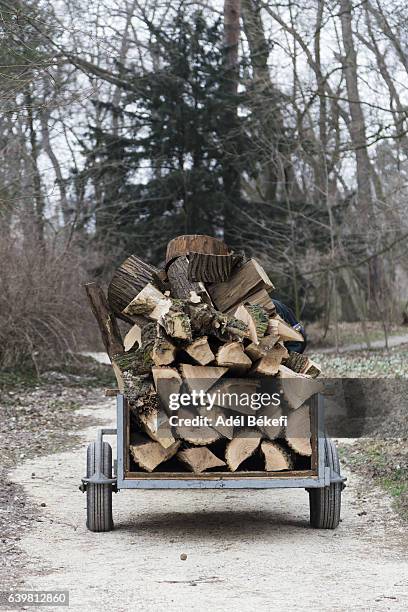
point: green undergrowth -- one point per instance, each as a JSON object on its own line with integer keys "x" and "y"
{"x": 350, "y": 333}
{"x": 378, "y": 363}
{"x": 386, "y": 463}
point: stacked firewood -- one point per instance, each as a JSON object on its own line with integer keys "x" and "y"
{"x": 205, "y": 325}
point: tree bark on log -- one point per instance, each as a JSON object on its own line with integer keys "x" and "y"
{"x": 197, "y": 243}
{"x": 129, "y": 279}
{"x": 106, "y": 320}
{"x": 248, "y": 279}
{"x": 206, "y": 268}
{"x": 140, "y": 360}
{"x": 257, "y": 351}
{"x": 166, "y": 381}
{"x": 164, "y": 351}
{"x": 181, "y": 286}
{"x": 206, "y": 320}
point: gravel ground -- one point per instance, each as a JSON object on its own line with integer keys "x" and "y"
{"x": 37, "y": 418}
{"x": 245, "y": 550}
{"x": 240, "y": 546}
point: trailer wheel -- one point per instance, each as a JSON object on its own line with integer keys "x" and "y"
{"x": 325, "y": 503}
{"x": 99, "y": 496}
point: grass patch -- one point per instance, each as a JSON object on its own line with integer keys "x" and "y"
{"x": 386, "y": 463}
{"x": 378, "y": 363}
{"x": 350, "y": 333}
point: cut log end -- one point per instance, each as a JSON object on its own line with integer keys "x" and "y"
{"x": 241, "y": 448}
{"x": 276, "y": 457}
{"x": 231, "y": 355}
{"x": 200, "y": 351}
{"x": 149, "y": 455}
{"x": 199, "y": 460}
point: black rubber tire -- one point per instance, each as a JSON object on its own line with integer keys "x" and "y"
{"x": 99, "y": 496}
{"x": 325, "y": 503}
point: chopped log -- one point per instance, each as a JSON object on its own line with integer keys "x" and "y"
{"x": 302, "y": 364}
{"x": 200, "y": 351}
{"x": 106, "y": 320}
{"x": 139, "y": 361}
{"x": 260, "y": 318}
{"x": 108, "y": 327}
{"x": 218, "y": 420}
{"x": 181, "y": 287}
{"x": 129, "y": 279}
{"x": 111, "y": 392}
{"x": 201, "y": 378}
{"x": 312, "y": 369}
{"x": 271, "y": 430}
{"x": 232, "y": 356}
{"x": 151, "y": 302}
{"x": 286, "y": 332}
{"x": 295, "y": 361}
{"x": 198, "y": 434}
{"x": 195, "y": 243}
{"x": 199, "y": 459}
{"x": 262, "y": 298}
{"x": 207, "y": 268}
{"x": 245, "y": 281}
{"x": 297, "y": 433}
{"x": 167, "y": 381}
{"x": 269, "y": 365}
{"x": 206, "y": 320}
{"x": 160, "y": 280}
{"x": 176, "y": 323}
{"x": 257, "y": 351}
{"x": 297, "y": 388}
{"x": 276, "y": 457}
{"x": 242, "y": 314}
{"x": 164, "y": 351}
{"x": 156, "y": 424}
{"x": 134, "y": 335}
{"x": 140, "y": 393}
{"x": 148, "y": 454}
{"x": 145, "y": 301}
{"x": 273, "y": 328}
{"x": 232, "y": 394}
{"x": 241, "y": 447}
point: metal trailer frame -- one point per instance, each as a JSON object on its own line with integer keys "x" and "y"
{"x": 319, "y": 476}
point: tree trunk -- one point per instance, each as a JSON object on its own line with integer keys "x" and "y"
{"x": 231, "y": 175}
{"x": 357, "y": 121}
{"x": 36, "y": 176}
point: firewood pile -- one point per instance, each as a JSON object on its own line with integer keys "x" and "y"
{"x": 204, "y": 334}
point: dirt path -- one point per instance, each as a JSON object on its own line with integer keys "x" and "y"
{"x": 375, "y": 344}
{"x": 245, "y": 550}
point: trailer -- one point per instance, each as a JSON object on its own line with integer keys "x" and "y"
{"x": 323, "y": 481}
